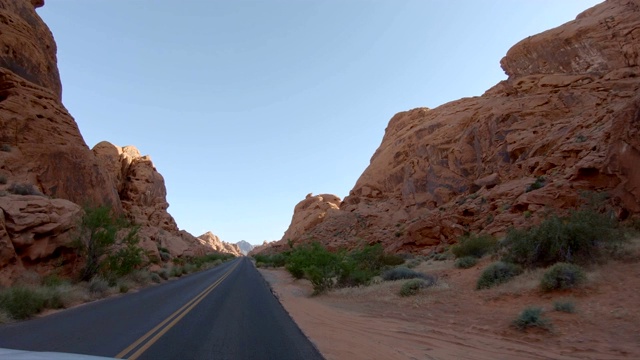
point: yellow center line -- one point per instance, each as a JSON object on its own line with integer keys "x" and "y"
{"x": 176, "y": 316}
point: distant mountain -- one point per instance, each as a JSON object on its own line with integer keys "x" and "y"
{"x": 244, "y": 246}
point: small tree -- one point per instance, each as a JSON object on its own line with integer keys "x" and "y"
{"x": 97, "y": 239}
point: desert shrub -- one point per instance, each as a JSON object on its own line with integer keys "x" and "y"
{"x": 531, "y": 317}
{"x": 565, "y": 306}
{"x": 163, "y": 274}
{"x": 155, "y": 278}
{"x": 466, "y": 262}
{"x": 539, "y": 183}
{"x": 562, "y": 276}
{"x": 176, "y": 271}
{"x": 97, "y": 240}
{"x": 580, "y": 237}
{"x": 274, "y": 260}
{"x": 474, "y": 245}
{"x": 140, "y": 277}
{"x": 413, "y": 286}
{"x": 53, "y": 280}
{"x": 126, "y": 259}
{"x": 413, "y": 263}
{"x": 392, "y": 260}
{"x": 53, "y": 297}
{"x": 21, "y": 302}
{"x": 164, "y": 255}
{"x": 5, "y": 147}
{"x": 3, "y": 179}
{"x": 442, "y": 256}
{"x": 98, "y": 286}
{"x": 188, "y": 268}
{"x": 123, "y": 288}
{"x": 497, "y": 273}
{"x": 23, "y": 189}
{"x": 400, "y": 273}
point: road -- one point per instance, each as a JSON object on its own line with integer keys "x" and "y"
{"x": 227, "y": 312}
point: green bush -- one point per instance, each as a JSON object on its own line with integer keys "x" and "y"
{"x": 579, "y": 238}
{"x": 401, "y": 273}
{"x": 564, "y": 306}
{"x": 496, "y": 274}
{"x": 21, "y": 302}
{"x": 538, "y": 184}
{"x": 474, "y": 245}
{"x": 413, "y": 286}
{"x": 97, "y": 244}
{"x": 562, "y": 276}
{"x": 531, "y": 317}
{"x": 176, "y": 271}
{"x": 466, "y": 262}
{"x": 53, "y": 280}
{"x": 164, "y": 274}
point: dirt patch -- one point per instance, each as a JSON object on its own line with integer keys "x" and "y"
{"x": 453, "y": 321}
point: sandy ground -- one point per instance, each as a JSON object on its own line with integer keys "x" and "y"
{"x": 454, "y": 321}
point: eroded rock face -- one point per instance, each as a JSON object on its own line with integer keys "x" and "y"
{"x": 34, "y": 229}
{"x": 211, "y": 240}
{"x": 566, "y": 120}
{"x": 143, "y": 195}
{"x": 44, "y": 145}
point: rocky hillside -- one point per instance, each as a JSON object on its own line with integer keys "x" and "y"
{"x": 46, "y": 168}
{"x": 566, "y": 120}
{"x": 244, "y": 247}
{"x": 211, "y": 240}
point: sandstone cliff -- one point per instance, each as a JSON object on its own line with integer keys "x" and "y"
{"x": 567, "y": 119}
{"x": 46, "y": 168}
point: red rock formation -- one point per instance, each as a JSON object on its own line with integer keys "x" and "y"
{"x": 567, "y": 117}
{"x": 211, "y": 240}
{"x": 42, "y": 146}
{"x": 46, "y": 148}
{"x": 34, "y": 229}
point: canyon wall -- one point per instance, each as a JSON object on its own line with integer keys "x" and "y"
{"x": 566, "y": 121}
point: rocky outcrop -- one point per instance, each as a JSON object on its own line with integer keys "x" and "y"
{"x": 34, "y": 229}
{"x": 566, "y": 120}
{"x": 211, "y": 240}
{"x": 43, "y": 152}
{"x": 143, "y": 195}
{"x": 41, "y": 142}
{"x": 245, "y": 247}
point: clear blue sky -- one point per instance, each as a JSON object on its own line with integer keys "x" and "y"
{"x": 247, "y": 106}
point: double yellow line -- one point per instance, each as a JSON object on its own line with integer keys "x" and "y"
{"x": 142, "y": 344}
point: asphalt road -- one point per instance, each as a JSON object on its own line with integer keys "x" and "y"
{"x": 227, "y": 312}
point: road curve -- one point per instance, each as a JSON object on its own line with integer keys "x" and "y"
{"x": 227, "y": 312}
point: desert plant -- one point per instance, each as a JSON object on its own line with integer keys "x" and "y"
{"x": 413, "y": 286}
{"x": 96, "y": 242}
{"x": 497, "y": 273}
{"x": 474, "y": 245}
{"x": 98, "y": 286}
{"x": 539, "y": 183}
{"x": 23, "y": 189}
{"x": 176, "y": 271}
{"x": 53, "y": 280}
{"x": 531, "y": 317}
{"x": 413, "y": 263}
{"x": 3, "y": 179}
{"x": 466, "y": 262}
{"x": 164, "y": 274}
{"x": 21, "y": 302}
{"x": 562, "y": 276}
{"x": 155, "y": 277}
{"x": 565, "y": 306}
{"x": 400, "y": 273}
{"x": 579, "y": 238}
{"x": 5, "y": 147}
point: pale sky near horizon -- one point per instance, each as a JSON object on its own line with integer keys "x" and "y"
{"x": 246, "y": 106}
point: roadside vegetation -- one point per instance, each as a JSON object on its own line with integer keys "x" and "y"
{"x": 112, "y": 263}
{"x": 327, "y": 270}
